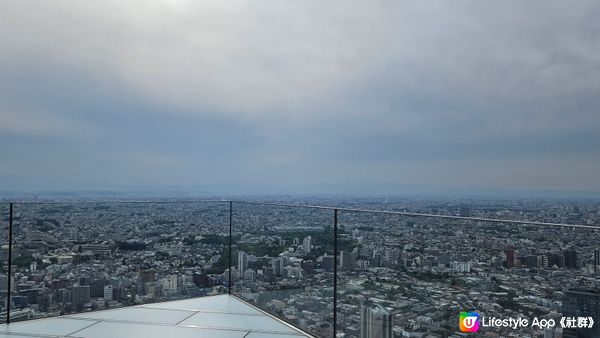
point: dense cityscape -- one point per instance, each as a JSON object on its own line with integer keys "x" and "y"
{"x": 398, "y": 276}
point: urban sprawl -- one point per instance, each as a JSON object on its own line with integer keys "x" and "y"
{"x": 398, "y": 276}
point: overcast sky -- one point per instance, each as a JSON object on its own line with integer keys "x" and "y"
{"x": 175, "y": 93}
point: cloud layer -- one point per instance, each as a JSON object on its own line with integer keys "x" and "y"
{"x": 115, "y": 94}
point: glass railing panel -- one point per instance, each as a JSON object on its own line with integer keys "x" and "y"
{"x": 363, "y": 241}
{"x": 71, "y": 258}
{"x": 283, "y": 263}
{"x": 416, "y": 275}
{"x": 4, "y": 275}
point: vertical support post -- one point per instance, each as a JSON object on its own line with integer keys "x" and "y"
{"x": 335, "y": 269}
{"x": 230, "y": 261}
{"x": 9, "y": 275}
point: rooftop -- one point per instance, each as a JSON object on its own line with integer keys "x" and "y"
{"x": 221, "y": 316}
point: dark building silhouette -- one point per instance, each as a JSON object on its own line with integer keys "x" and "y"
{"x": 80, "y": 295}
{"x": 97, "y": 288}
{"x": 556, "y": 259}
{"x": 201, "y": 280}
{"x": 147, "y": 276}
{"x": 510, "y": 257}
{"x": 347, "y": 260}
{"x": 570, "y": 258}
{"x": 308, "y": 266}
{"x": 31, "y": 294}
{"x": 582, "y": 303}
{"x": 465, "y": 211}
{"x": 328, "y": 262}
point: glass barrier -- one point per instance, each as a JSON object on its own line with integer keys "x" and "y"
{"x": 397, "y": 275}
{"x": 283, "y": 263}
{"x": 4, "y": 275}
{"x": 70, "y": 258}
{"x": 406, "y": 276}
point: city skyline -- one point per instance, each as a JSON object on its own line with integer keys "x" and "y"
{"x": 395, "y": 275}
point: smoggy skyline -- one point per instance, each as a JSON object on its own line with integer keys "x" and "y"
{"x": 279, "y": 96}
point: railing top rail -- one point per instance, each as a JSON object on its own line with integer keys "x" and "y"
{"x": 114, "y": 202}
{"x": 320, "y": 207}
{"x": 413, "y": 214}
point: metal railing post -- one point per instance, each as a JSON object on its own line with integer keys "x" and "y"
{"x": 230, "y": 245}
{"x": 335, "y": 269}
{"x": 9, "y": 275}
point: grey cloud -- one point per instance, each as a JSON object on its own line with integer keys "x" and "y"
{"x": 297, "y": 93}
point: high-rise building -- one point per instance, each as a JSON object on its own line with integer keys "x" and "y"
{"x": 465, "y": 211}
{"x": 375, "y": 321}
{"x": 307, "y": 244}
{"x": 328, "y": 263}
{"x": 147, "y": 275}
{"x": 530, "y": 261}
{"x": 200, "y": 279}
{"x": 570, "y": 258}
{"x": 31, "y": 294}
{"x": 242, "y": 263}
{"x": 80, "y": 295}
{"x": 542, "y": 261}
{"x": 510, "y": 257}
{"x": 170, "y": 283}
{"x": 308, "y": 266}
{"x": 582, "y": 303}
{"x": 64, "y": 296}
{"x": 4, "y": 283}
{"x": 150, "y": 289}
{"x": 556, "y": 259}
{"x": 377, "y": 260}
{"x": 347, "y": 260}
{"x": 44, "y": 301}
{"x": 277, "y": 264}
{"x": 108, "y": 293}
{"x": 269, "y": 275}
{"x": 97, "y": 288}
{"x": 391, "y": 257}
